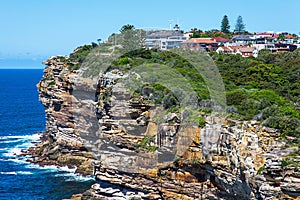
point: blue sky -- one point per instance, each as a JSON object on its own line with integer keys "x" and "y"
{"x": 37, "y": 29}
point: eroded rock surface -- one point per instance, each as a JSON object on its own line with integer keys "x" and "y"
{"x": 223, "y": 160}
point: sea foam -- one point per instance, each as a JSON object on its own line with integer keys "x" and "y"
{"x": 16, "y": 173}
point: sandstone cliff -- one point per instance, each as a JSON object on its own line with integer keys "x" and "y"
{"x": 99, "y": 125}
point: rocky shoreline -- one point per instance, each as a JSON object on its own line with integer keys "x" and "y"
{"x": 225, "y": 160}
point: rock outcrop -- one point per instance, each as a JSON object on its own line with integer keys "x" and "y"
{"x": 62, "y": 143}
{"x": 102, "y": 129}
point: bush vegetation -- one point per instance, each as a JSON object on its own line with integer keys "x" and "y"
{"x": 266, "y": 88}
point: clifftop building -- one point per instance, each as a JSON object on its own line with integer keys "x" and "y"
{"x": 165, "y": 39}
{"x": 204, "y": 44}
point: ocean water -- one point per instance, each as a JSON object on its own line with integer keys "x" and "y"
{"x": 21, "y": 116}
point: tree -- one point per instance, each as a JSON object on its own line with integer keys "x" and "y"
{"x": 196, "y": 34}
{"x": 131, "y": 38}
{"x": 94, "y": 44}
{"x": 280, "y": 37}
{"x": 127, "y": 27}
{"x": 225, "y": 24}
{"x": 240, "y": 26}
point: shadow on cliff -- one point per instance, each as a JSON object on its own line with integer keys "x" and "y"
{"x": 227, "y": 187}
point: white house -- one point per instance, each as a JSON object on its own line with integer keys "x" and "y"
{"x": 244, "y": 51}
{"x": 164, "y": 39}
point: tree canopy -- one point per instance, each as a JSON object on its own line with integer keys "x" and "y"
{"x": 225, "y": 24}
{"x": 127, "y": 27}
{"x": 240, "y": 27}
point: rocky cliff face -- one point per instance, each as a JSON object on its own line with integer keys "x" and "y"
{"x": 100, "y": 127}
{"x": 63, "y": 144}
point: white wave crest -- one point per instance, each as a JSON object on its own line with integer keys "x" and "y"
{"x": 75, "y": 177}
{"x": 28, "y": 137}
{"x": 13, "y": 152}
{"x": 9, "y": 173}
{"x": 58, "y": 169}
{"x": 16, "y": 150}
{"x": 16, "y": 173}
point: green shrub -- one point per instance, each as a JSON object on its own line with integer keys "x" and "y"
{"x": 285, "y": 163}
{"x": 123, "y": 61}
{"x": 169, "y": 100}
{"x": 172, "y": 109}
{"x": 51, "y": 83}
{"x": 261, "y": 169}
{"x": 151, "y": 148}
{"x": 201, "y": 122}
{"x": 268, "y": 98}
{"x": 145, "y": 144}
{"x": 80, "y": 53}
{"x": 73, "y": 67}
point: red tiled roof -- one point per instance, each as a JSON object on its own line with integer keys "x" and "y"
{"x": 265, "y": 33}
{"x": 201, "y": 40}
{"x": 220, "y": 39}
{"x": 247, "y": 50}
{"x": 289, "y": 37}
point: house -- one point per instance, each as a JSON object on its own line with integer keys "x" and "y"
{"x": 285, "y": 47}
{"x": 290, "y": 39}
{"x": 264, "y": 38}
{"x": 164, "y": 39}
{"x": 247, "y": 51}
{"x": 225, "y": 50}
{"x": 189, "y": 34}
{"x": 269, "y": 46}
{"x": 244, "y": 51}
{"x": 242, "y": 39}
{"x": 205, "y": 44}
{"x": 222, "y": 41}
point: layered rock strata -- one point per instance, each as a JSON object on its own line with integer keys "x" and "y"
{"x": 99, "y": 127}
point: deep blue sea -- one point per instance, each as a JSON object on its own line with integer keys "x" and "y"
{"x": 21, "y": 116}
